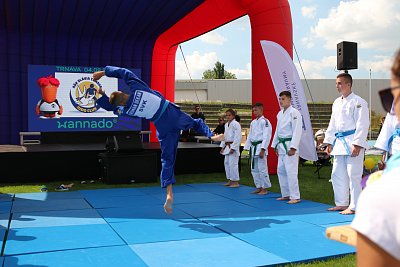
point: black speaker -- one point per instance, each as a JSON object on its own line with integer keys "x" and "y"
{"x": 124, "y": 143}
{"x": 347, "y": 56}
{"x": 125, "y": 168}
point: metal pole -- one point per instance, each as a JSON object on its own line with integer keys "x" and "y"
{"x": 370, "y": 106}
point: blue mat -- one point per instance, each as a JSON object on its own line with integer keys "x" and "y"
{"x": 161, "y": 230}
{"x": 113, "y": 215}
{"x": 193, "y": 197}
{"x": 29, "y": 205}
{"x": 275, "y": 205}
{"x": 100, "y": 257}
{"x": 2, "y": 234}
{"x": 4, "y": 218}
{"x": 215, "y": 208}
{"x": 159, "y": 190}
{"x": 5, "y": 207}
{"x": 296, "y": 243}
{"x": 220, "y": 251}
{"x": 114, "y": 192}
{"x": 6, "y": 197}
{"x": 49, "y": 195}
{"x": 45, "y": 239}
{"x": 128, "y": 227}
{"x": 56, "y": 218}
{"x": 124, "y": 201}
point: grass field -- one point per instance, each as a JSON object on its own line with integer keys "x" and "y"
{"x": 311, "y": 188}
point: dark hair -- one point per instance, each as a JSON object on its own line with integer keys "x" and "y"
{"x": 258, "y": 104}
{"x": 237, "y": 118}
{"x": 197, "y": 106}
{"x": 396, "y": 65}
{"x": 286, "y": 93}
{"x": 347, "y": 77}
{"x": 231, "y": 111}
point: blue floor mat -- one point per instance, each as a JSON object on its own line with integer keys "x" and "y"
{"x": 219, "y": 251}
{"x": 45, "y": 239}
{"x": 5, "y": 207}
{"x": 124, "y": 201}
{"x": 29, "y": 205}
{"x": 6, "y": 197}
{"x": 215, "y": 208}
{"x": 161, "y": 230}
{"x": 114, "y": 192}
{"x": 100, "y": 257}
{"x": 56, "y": 218}
{"x": 296, "y": 243}
{"x": 159, "y": 190}
{"x": 49, "y": 195}
{"x": 113, "y": 215}
{"x": 193, "y": 197}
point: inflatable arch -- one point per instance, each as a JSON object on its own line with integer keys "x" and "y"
{"x": 270, "y": 20}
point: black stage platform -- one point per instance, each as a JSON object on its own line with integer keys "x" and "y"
{"x": 60, "y": 162}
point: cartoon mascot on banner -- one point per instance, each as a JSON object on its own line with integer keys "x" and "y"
{"x": 48, "y": 107}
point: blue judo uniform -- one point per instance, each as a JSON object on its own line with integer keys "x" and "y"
{"x": 167, "y": 117}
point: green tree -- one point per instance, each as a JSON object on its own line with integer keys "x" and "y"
{"x": 218, "y": 72}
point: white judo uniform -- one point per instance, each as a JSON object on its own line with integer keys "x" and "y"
{"x": 348, "y": 126}
{"x": 389, "y": 138}
{"x": 233, "y": 138}
{"x": 287, "y": 135}
{"x": 259, "y": 138}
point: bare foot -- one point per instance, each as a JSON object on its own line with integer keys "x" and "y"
{"x": 337, "y": 208}
{"x": 348, "y": 211}
{"x": 168, "y": 204}
{"x": 293, "y": 201}
{"x": 283, "y": 198}
{"x": 263, "y": 192}
{"x": 228, "y": 183}
{"x": 234, "y": 184}
{"x": 258, "y": 190}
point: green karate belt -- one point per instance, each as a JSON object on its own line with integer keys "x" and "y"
{"x": 253, "y": 152}
{"x": 283, "y": 142}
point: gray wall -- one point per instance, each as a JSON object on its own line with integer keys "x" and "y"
{"x": 321, "y": 90}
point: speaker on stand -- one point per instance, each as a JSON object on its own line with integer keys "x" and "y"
{"x": 347, "y": 56}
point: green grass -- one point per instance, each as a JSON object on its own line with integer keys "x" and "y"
{"x": 311, "y": 188}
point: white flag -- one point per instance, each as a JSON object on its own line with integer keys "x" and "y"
{"x": 285, "y": 78}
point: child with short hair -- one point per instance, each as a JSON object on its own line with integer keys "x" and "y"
{"x": 257, "y": 144}
{"x": 286, "y": 144}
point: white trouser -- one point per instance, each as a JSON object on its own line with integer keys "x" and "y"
{"x": 346, "y": 176}
{"x": 260, "y": 172}
{"x": 232, "y": 167}
{"x": 288, "y": 168}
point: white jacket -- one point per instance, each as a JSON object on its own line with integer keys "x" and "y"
{"x": 349, "y": 113}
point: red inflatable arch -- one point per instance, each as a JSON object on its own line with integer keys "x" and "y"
{"x": 269, "y": 19}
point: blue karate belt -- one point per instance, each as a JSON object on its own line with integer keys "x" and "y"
{"x": 389, "y": 143}
{"x": 253, "y": 152}
{"x": 340, "y": 136}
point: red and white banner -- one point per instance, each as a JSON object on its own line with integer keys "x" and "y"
{"x": 286, "y": 78}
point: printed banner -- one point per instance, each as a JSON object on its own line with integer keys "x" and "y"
{"x": 285, "y": 78}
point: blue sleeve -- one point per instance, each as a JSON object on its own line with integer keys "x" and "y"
{"x": 104, "y": 103}
{"x": 128, "y": 76}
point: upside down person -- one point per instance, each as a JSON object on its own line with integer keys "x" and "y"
{"x": 169, "y": 120}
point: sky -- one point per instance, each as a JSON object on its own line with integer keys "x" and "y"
{"x": 318, "y": 26}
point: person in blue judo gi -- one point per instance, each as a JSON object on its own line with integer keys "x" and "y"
{"x": 168, "y": 118}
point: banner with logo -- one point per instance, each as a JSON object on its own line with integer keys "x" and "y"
{"x": 286, "y": 78}
{"x": 64, "y": 98}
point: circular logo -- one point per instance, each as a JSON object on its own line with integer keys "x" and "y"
{"x": 83, "y": 95}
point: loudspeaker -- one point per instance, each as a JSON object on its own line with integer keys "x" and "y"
{"x": 125, "y": 168}
{"x": 347, "y": 56}
{"x": 124, "y": 143}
